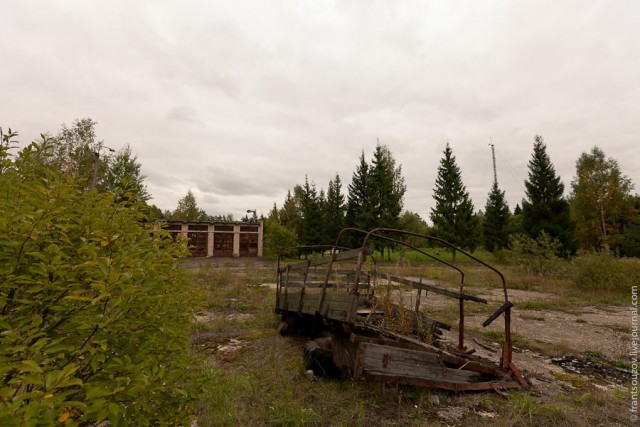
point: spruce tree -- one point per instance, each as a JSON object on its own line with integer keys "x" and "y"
{"x": 387, "y": 190}
{"x": 310, "y": 229}
{"x": 359, "y": 207}
{"x": 496, "y": 219}
{"x": 453, "y": 218}
{"x": 335, "y": 209}
{"x": 188, "y": 209}
{"x": 289, "y": 215}
{"x": 545, "y": 208}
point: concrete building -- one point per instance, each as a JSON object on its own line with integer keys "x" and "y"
{"x": 220, "y": 239}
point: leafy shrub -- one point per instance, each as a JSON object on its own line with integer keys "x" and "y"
{"x": 94, "y": 310}
{"x": 536, "y": 256}
{"x": 279, "y": 240}
{"x": 601, "y": 271}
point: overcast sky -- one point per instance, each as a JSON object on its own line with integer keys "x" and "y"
{"x": 239, "y": 100}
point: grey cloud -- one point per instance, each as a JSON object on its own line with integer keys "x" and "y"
{"x": 239, "y": 101}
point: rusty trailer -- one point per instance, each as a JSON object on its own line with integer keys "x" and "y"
{"x": 372, "y": 333}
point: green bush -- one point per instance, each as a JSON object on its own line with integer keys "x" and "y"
{"x": 94, "y": 309}
{"x": 278, "y": 240}
{"x": 601, "y": 271}
{"x": 536, "y": 256}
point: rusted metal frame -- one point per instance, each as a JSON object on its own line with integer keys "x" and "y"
{"x": 518, "y": 375}
{"x": 286, "y": 288}
{"x": 326, "y": 279}
{"x": 362, "y": 249}
{"x": 461, "y": 325}
{"x": 418, "y": 296}
{"x": 461, "y": 302}
{"x": 507, "y": 346}
{"x": 444, "y": 242}
{"x": 508, "y": 342}
{"x": 361, "y": 256}
{"x": 278, "y": 284}
{"x": 335, "y": 256}
{"x": 445, "y": 385}
{"x": 434, "y": 289}
{"x": 351, "y": 316}
{"x": 304, "y": 283}
{"x": 409, "y": 245}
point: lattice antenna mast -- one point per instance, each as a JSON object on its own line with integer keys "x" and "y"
{"x": 493, "y": 157}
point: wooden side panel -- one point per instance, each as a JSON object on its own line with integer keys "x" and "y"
{"x": 337, "y": 305}
{"x": 390, "y": 361}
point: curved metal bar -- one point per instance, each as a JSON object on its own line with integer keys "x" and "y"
{"x": 347, "y": 229}
{"x": 415, "y": 248}
{"x": 445, "y": 243}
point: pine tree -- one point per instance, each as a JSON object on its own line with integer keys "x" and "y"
{"x": 290, "y": 216}
{"x": 359, "y": 207}
{"x": 545, "y": 209}
{"x": 335, "y": 209}
{"x": 310, "y": 227}
{"x": 386, "y": 190}
{"x": 188, "y": 210}
{"x": 453, "y": 218}
{"x": 496, "y": 219}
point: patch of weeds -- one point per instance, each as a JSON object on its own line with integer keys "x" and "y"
{"x": 526, "y": 316}
{"x": 285, "y": 413}
{"x": 595, "y": 354}
{"x": 621, "y": 365}
{"x": 523, "y": 406}
{"x": 551, "y": 349}
{"x": 574, "y": 380}
{"x": 498, "y": 336}
{"x": 536, "y": 305}
{"x": 530, "y": 412}
{"x": 582, "y": 399}
{"x": 625, "y": 329}
{"x": 552, "y": 415}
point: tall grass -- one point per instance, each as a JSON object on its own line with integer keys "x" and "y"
{"x": 602, "y": 272}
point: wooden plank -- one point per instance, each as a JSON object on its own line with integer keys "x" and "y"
{"x": 301, "y": 266}
{"x": 398, "y": 362}
{"x": 506, "y": 306}
{"x": 435, "y": 289}
{"x": 350, "y": 254}
{"x": 319, "y": 261}
{"x": 337, "y": 296}
{"x": 444, "y": 385}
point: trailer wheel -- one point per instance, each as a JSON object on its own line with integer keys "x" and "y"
{"x": 320, "y": 360}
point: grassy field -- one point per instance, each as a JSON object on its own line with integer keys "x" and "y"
{"x": 253, "y": 377}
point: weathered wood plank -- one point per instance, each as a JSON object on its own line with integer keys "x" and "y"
{"x": 388, "y": 360}
{"x": 444, "y": 385}
{"x": 350, "y": 254}
{"x": 300, "y": 266}
{"x": 434, "y": 289}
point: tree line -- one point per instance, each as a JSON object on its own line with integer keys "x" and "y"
{"x": 599, "y": 213}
